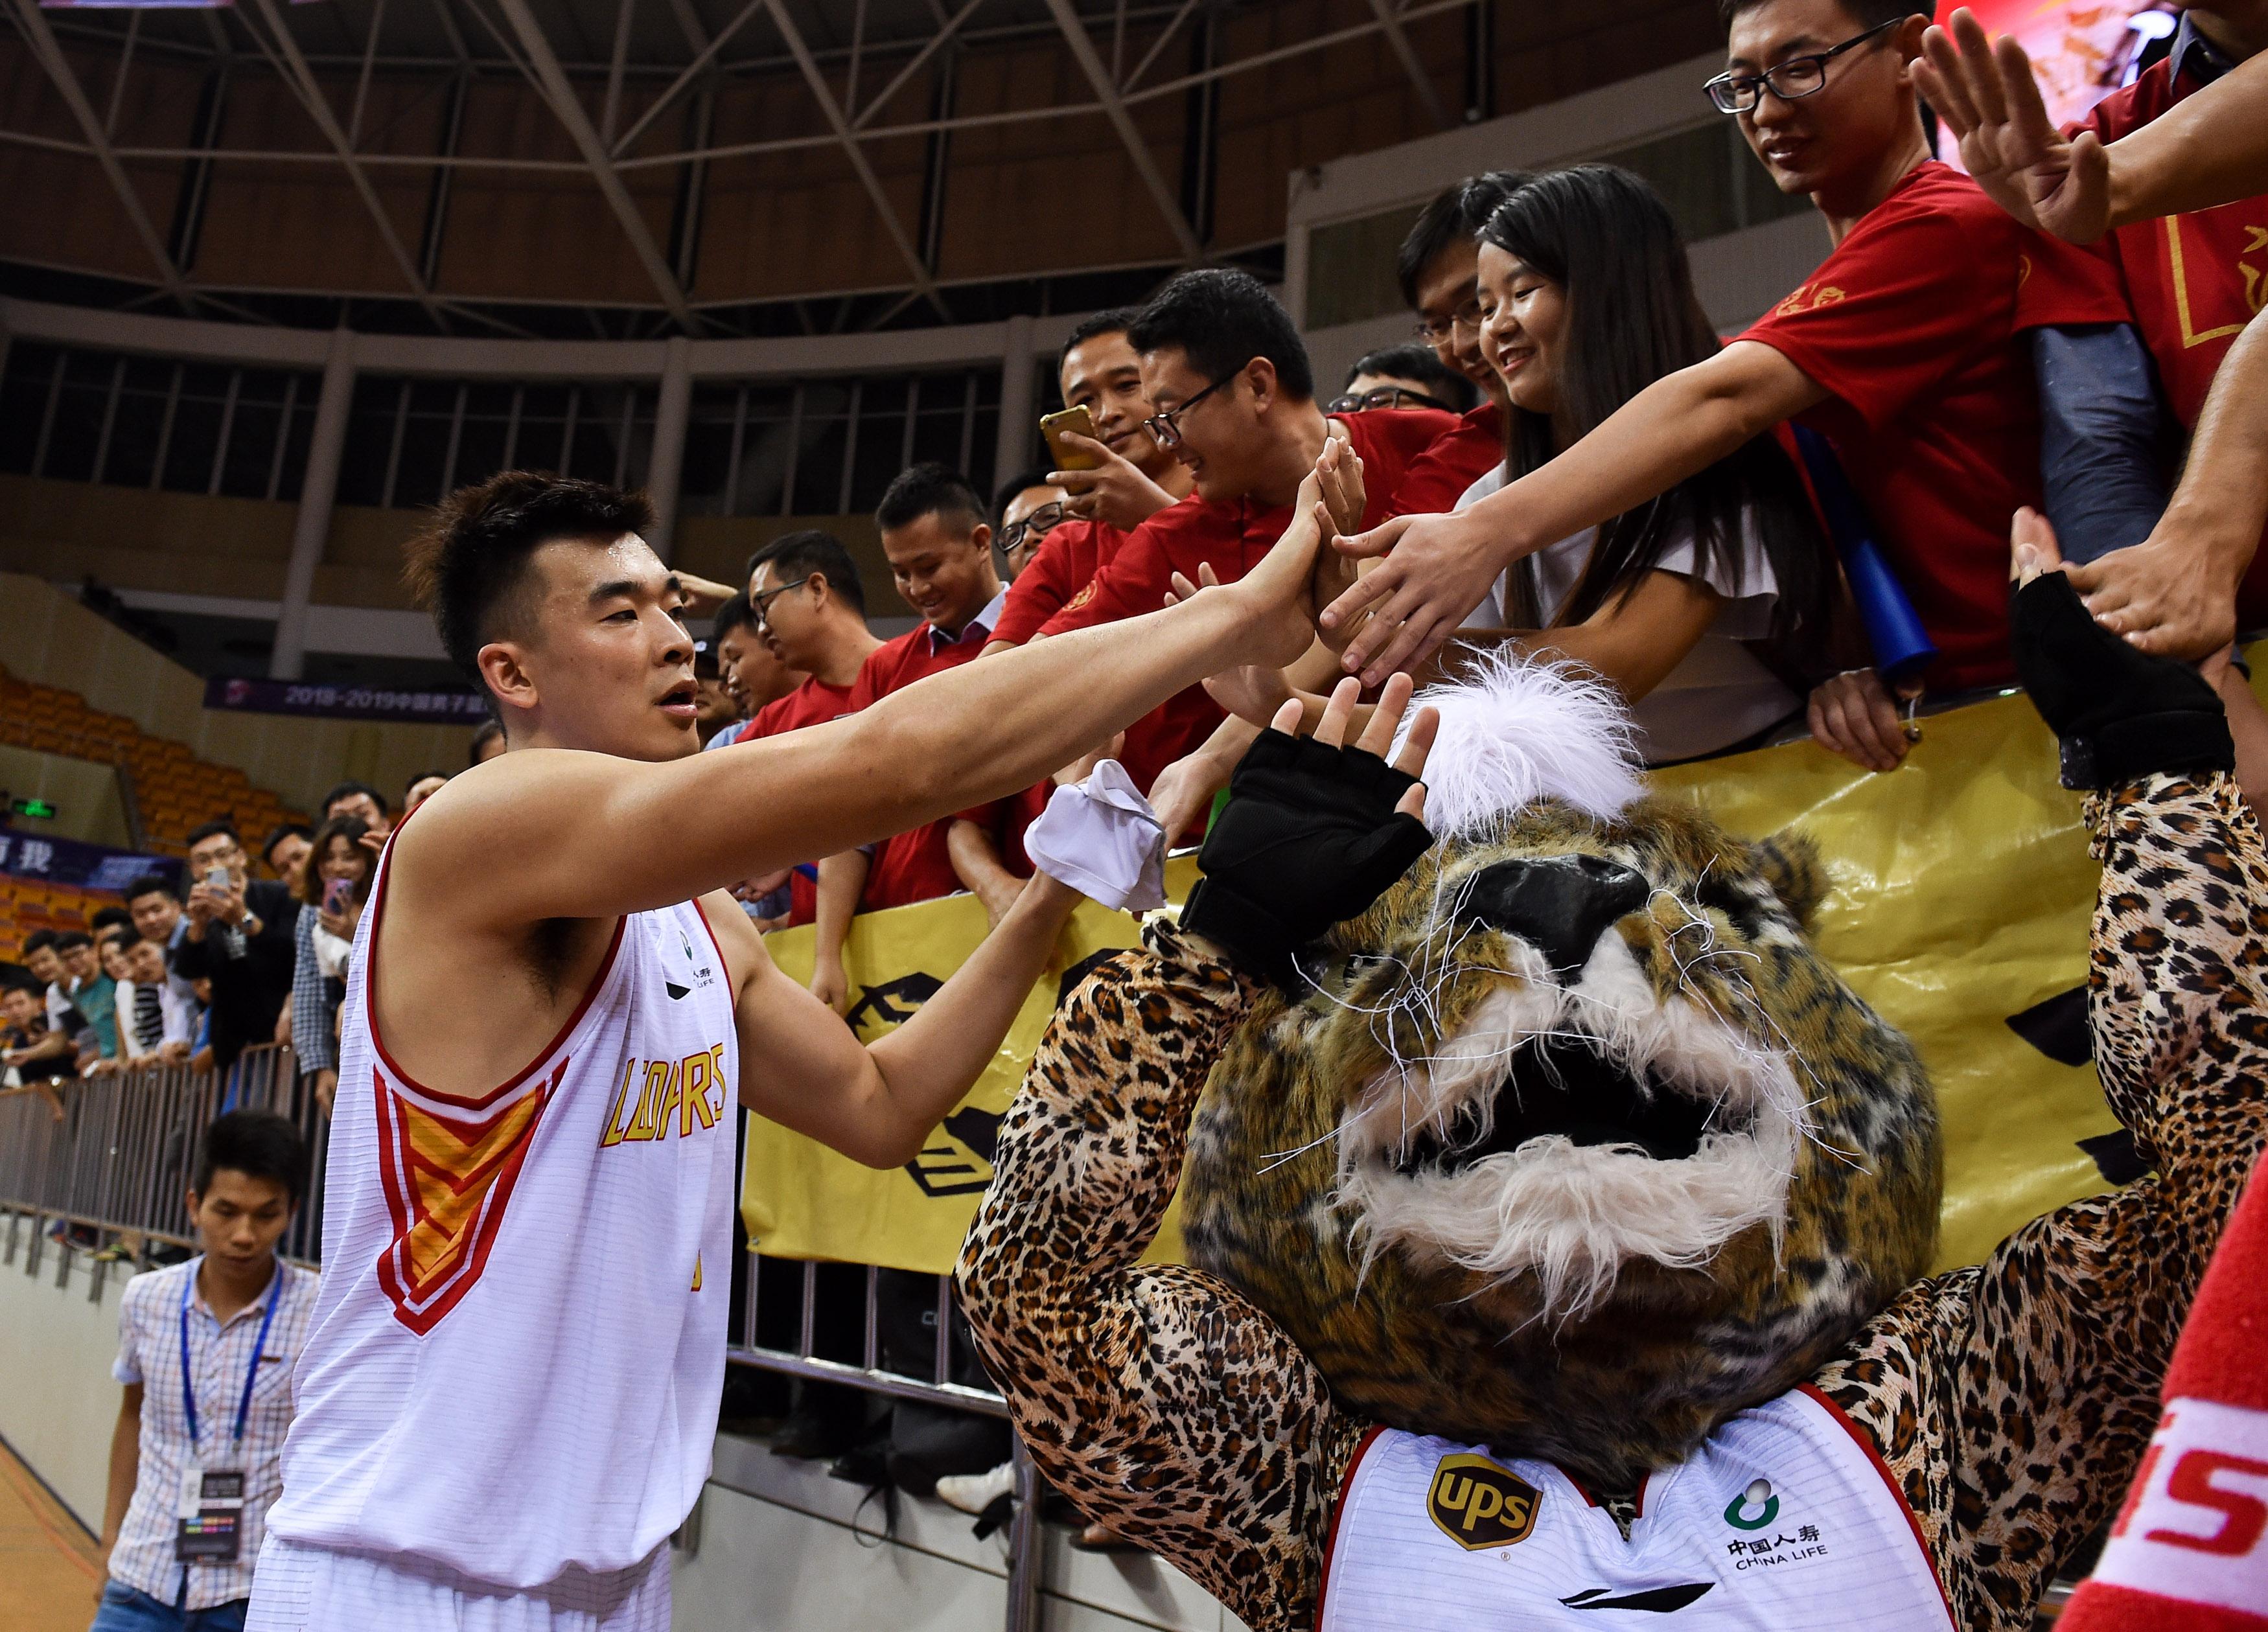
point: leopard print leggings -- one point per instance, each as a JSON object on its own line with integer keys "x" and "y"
{"x": 2011, "y": 1399}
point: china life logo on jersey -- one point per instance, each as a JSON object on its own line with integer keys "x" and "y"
{"x": 699, "y": 976}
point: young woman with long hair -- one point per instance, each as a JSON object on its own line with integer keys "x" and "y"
{"x": 1699, "y": 607}
{"x": 1708, "y": 609}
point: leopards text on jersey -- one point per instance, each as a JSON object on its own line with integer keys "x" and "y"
{"x": 1783, "y": 1518}
{"x": 515, "y": 1361}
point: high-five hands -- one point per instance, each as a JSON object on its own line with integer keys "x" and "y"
{"x": 1400, "y": 611}
{"x": 1985, "y": 94}
{"x": 1314, "y": 831}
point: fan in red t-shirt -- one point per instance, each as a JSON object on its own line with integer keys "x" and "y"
{"x": 2174, "y": 167}
{"x": 1229, "y": 374}
{"x": 2189, "y": 269}
{"x": 809, "y": 608}
{"x": 1904, "y": 348}
{"x": 940, "y": 547}
{"x": 1132, "y": 479}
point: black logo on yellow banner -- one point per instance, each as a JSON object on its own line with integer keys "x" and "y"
{"x": 893, "y": 1003}
{"x": 956, "y": 1159}
{"x": 1478, "y": 1504}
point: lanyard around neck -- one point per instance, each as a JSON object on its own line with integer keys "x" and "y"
{"x": 251, "y": 1372}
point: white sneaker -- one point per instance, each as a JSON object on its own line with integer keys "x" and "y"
{"x": 973, "y": 1493}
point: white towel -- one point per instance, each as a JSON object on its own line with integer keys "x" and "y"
{"x": 1101, "y": 838}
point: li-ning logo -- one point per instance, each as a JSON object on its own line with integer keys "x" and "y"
{"x": 1478, "y": 1504}
{"x": 1754, "y": 1508}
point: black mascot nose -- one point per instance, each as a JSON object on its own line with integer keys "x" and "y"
{"x": 1558, "y": 904}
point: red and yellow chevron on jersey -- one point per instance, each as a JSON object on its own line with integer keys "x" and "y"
{"x": 447, "y": 1182}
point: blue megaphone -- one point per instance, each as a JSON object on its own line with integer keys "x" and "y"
{"x": 1903, "y": 649}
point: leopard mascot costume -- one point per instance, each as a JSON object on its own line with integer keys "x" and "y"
{"x": 1557, "y": 1214}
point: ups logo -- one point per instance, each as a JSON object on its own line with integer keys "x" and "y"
{"x": 1480, "y": 1505}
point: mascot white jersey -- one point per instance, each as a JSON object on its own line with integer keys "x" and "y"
{"x": 1783, "y": 1518}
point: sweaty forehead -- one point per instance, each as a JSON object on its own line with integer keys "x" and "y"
{"x": 576, "y": 568}
{"x": 1096, "y": 357}
{"x": 1167, "y": 374}
{"x": 1782, "y": 28}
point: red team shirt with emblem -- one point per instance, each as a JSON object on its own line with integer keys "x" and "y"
{"x": 913, "y": 866}
{"x": 1230, "y": 537}
{"x": 1915, "y": 325}
{"x": 2188, "y": 284}
{"x": 1067, "y": 561}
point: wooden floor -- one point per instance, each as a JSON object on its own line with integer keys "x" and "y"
{"x": 50, "y": 1569}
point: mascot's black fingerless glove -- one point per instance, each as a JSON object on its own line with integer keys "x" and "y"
{"x": 2120, "y": 713}
{"x": 1309, "y": 837}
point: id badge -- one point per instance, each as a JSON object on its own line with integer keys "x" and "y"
{"x": 211, "y": 1527}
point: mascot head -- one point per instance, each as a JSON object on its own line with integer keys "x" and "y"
{"x": 1572, "y": 1144}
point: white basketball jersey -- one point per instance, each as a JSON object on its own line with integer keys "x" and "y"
{"x": 517, "y": 1348}
{"x": 1784, "y": 1518}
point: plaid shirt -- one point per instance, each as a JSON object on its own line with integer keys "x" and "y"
{"x": 312, "y": 1042}
{"x": 150, "y": 1353}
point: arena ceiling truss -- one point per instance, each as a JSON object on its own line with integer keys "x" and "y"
{"x": 634, "y": 86}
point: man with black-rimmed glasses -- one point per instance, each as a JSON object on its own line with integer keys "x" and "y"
{"x": 1234, "y": 396}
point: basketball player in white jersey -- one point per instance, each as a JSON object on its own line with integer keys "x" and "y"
{"x": 507, "y": 1399}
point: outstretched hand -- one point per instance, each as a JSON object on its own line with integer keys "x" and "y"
{"x": 1280, "y": 589}
{"x": 1985, "y": 94}
{"x": 1338, "y": 475}
{"x": 1415, "y": 598}
{"x": 1314, "y": 831}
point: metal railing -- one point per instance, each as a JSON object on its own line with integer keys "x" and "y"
{"x": 110, "y": 1159}
{"x": 871, "y": 1376}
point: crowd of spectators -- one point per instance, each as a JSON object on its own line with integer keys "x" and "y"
{"x": 195, "y": 967}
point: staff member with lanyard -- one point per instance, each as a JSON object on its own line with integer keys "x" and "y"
{"x": 206, "y": 1351}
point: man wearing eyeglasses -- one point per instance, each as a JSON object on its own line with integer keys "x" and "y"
{"x": 1906, "y": 350}
{"x": 1439, "y": 269}
{"x": 1030, "y": 507}
{"x": 1409, "y": 375}
{"x": 808, "y": 606}
{"x": 1136, "y": 479}
{"x": 1236, "y": 406}
{"x": 1229, "y": 375}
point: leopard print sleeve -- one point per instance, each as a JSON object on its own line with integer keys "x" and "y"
{"x": 2014, "y": 1400}
{"x": 1161, "y": 1402}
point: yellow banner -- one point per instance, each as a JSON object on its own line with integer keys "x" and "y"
{"x": 1961, "y": 890}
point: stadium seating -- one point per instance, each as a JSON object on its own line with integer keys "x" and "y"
{"x": 26, "y": 905}
{"x": 173, "y": 790}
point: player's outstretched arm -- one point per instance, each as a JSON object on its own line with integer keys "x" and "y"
{"x": 875, "y": 1102}
{"x": 1441, "y": 566}
{"x": 555, "y": 833}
